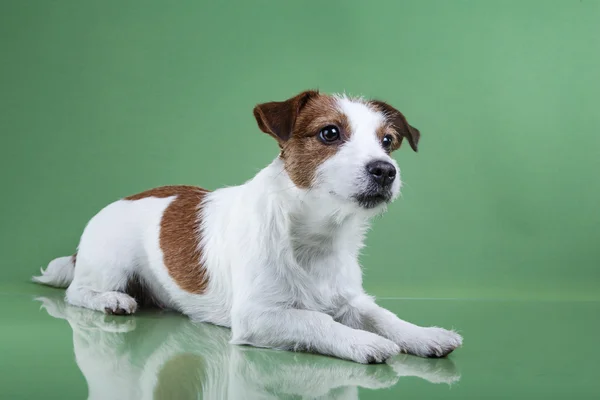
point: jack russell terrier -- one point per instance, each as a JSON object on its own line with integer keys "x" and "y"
{"x": 274, "y": 259}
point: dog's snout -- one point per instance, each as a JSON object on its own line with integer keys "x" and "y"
{"x": 382, "y": 172}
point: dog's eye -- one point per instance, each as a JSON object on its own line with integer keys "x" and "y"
{"x": 329, "y": 134}
{"x": 387, "y": 141}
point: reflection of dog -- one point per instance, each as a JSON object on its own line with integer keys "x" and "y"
{"x": 275, "y": 259}
{"x": 173, "y": 358}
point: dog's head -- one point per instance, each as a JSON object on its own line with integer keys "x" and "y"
{"x": 339, "y": 146}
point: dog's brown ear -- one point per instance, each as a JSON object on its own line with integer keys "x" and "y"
{"x": 277, "y": 118}
{"x": 400, "y": 124}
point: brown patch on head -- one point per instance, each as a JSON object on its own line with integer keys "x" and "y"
{"x": 302, "y": 118}
{"x": 180, "y": 235}
{"x": 398, "y": 125}
{"x": 305, "y": 151}
{"x": 388, "y": 130}
{"x": 277, "y": 118}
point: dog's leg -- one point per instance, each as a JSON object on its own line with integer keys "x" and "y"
{"x": 112, "y": 302}
{"x": 100, "y": 288}
{"x": 364, "y": 313}
{"x": 303, "y": 330}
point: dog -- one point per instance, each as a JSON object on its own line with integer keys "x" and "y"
{"x": 274, "y": 259}
{"x": 173, "y": 358}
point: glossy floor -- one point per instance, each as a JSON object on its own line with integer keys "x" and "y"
{"x": 512, "y": 350}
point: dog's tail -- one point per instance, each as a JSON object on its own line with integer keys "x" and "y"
{"x": 59, "y": 272}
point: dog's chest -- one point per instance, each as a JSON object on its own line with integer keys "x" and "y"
{"x": 323, "y": 272}
{"x": 326, "y": 287}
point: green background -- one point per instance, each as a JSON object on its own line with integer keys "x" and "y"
{"x": 500, "y": 210}
{"x": 101, "y": 99}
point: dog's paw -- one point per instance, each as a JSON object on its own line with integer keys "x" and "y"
{"x": 433, "y": 342}
{"x": 369, "y": 348}
{"x": 116, "y": 303}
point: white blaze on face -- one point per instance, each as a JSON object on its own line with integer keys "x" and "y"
{"x": 345, "y": 174}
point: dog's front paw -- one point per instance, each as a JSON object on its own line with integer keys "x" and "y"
{"x": 369, "y": 348}
{"x": 433, "y": 342}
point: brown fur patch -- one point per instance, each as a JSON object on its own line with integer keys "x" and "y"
{"x": 304, "y": 151}
{"x": 398, "y": 124}
{"x": 165, "y": 191}
{"x": 387, "y": 129}
{"x": 179, "y": 235}
{"x": 277, "y": 118}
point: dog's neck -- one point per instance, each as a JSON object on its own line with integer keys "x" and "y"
{"x": 317, "y": 225}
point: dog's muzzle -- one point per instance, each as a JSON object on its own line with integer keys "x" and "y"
{"x": 381, "y": 176}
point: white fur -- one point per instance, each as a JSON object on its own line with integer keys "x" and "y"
{"x": 282, "y": 261}
{"x": 59, "y": 273}
{"x": 129, "y": 358}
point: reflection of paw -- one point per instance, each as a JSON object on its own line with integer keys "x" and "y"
{"x": 86, "y": 318}
{"x": 369, "y": 348}
{"x": 109, "y": 323}
{"x": 433, "y": 342}
{"x": 438, "y": 370}
{"x": 116, "y": 303}
{"x": 285, "y": 374}
{"x": 376, "y": 376}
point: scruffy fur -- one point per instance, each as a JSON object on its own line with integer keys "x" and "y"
{"x": 274, "y": 259}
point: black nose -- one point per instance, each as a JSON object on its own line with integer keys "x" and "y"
{"x": 382, "y": 172}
